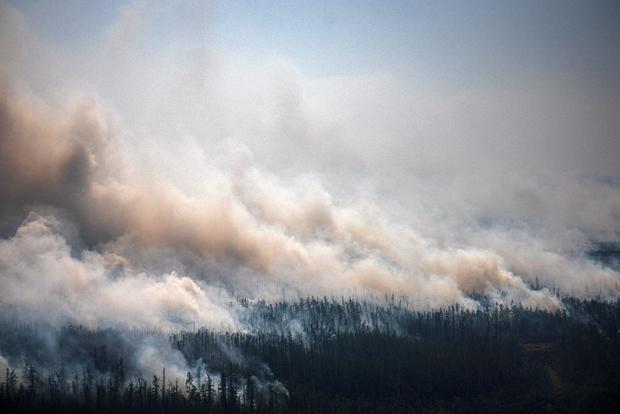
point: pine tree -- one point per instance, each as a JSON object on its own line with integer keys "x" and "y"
{"x": 155, "y": 388}
{"x": 11, "y": 383}
{"x": 223, "y": 390}
{"x": 61, "y": 378}
{"x": 31, "y": 379}
{"x": 163, "y": 384}
{"x": 190, "y": 388}
{"x": 232, "y": 391}
{"x": 119, "y": 375}
{"x": 250, "y": 400}
{"x": 210, "y": 391}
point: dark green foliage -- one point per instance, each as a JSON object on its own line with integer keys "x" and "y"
{"x": 346, "y": 356}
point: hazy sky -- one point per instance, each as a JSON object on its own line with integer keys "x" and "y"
{"x": 457, "y": 42}
{"x": 565, "y": 37}
{"x": 490, "y": 76}
{"x": 433, "y": 149}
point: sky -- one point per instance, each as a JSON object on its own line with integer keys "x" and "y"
{"x": 541, "y": 75}
{"x": 190, "y": 152}
{"x": 456, "y": 41}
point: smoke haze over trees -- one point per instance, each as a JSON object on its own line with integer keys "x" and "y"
{"x": 169, "y": 172}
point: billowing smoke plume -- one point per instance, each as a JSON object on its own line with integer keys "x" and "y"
{"x": 101, "y": 230}
{"x": 252, "y": 233}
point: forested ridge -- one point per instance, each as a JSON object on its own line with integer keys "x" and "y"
{"x": 326, "y": 355}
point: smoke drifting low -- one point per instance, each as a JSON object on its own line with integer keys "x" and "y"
{"x": 94, "y": 235}
{"x": 98, "y": 240}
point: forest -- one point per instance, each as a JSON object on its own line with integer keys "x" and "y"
{"x": 314, "y": 355}
{"x": 227, "y": 207}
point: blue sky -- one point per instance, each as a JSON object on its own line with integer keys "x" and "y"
{"x": 453, "y": 41}
{"x": 458, "y": 40}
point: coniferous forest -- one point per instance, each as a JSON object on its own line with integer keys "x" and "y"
{"x": 311, "y": 207}
{"x": 325, "y": 355}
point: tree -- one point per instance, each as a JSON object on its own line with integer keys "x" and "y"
{"x": 31, "y": 379}
{"x": 11, "y": 383}
{"x": 232, "y": 391}
{"x": 210, "y": 391}
{"x": 163, "y": 384}
{"x": 155, "y": 388}
{"x": 223, "y": 390}
{"x": 250, "y": 399}
{"x": 190, "y": 388}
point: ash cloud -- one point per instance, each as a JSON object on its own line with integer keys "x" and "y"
{"x": 258, "y": 231}
{"x": 120, "y": 210}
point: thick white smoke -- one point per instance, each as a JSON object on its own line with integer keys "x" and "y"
{"x": 149, "y": 195}
{"x": 42, "y": 281}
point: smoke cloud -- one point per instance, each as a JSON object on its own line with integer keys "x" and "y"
{"x": 152, "y": 195}
{"x": 254, "y": 232}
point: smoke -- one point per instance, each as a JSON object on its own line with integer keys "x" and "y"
{"x": 155, "y": 352}
{"x": 4, "y": 364}
{"x": 249, "y": 226}
{"x": 151, "y": 195}
{"x": 42, "y": 282}
{"x": 250, "y": 231}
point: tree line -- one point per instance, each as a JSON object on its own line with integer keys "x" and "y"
{"x": 326, "y": 355}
